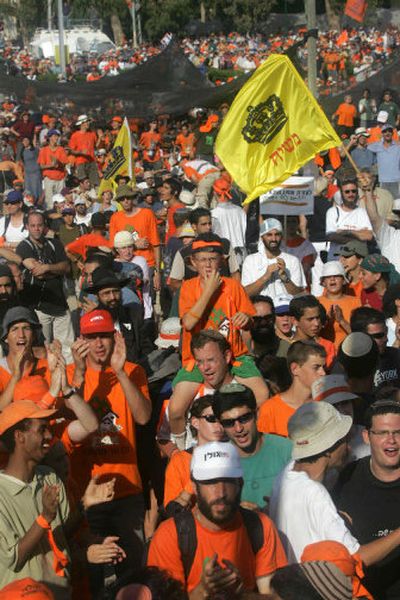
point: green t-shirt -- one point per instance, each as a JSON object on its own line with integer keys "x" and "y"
{"x": 392, "y": 109}
{"x": 260, "y": 469}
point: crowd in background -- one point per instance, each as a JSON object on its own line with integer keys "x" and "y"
{"x": 199, "y": 399}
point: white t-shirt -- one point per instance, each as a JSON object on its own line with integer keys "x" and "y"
{"x": 304, "y": 513}
{"x": 388, "y": 240}
{"x": 13, "y": 234}
{"x": 352, "y": 220}
{"x": 147, "y": 303}
{"x": 339, "y": 219}
{"x": 255, "y": 265}
{"x": 229, "y": 221}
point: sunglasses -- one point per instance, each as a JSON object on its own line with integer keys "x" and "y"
{"x": 209, "y": 418}
{"x": 229, "y": 423}
{"x": 349, "y": 191}
{"x": 378, "y": 336}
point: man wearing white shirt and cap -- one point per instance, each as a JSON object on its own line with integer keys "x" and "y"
{"x": 301, "y": 507}
{"x": 269, "y": 271}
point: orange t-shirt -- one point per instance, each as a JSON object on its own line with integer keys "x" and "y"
{"x": 329, "y": 349}
{"x": 46, "y": 154}
{"x": 83, "y": 141}
{"x": 273, "y": 416}
{"x": 231, "y": 543}
{"x": 111, "y": 450}
{"x": 177, "y": 476}
{"x": 356, "y": 289}
{"x": 333, "y": 330}
{"x": 143, "y": 224}
{"x": 41, "y": 369}
{"x": 229, "y": 299}
{"x": 83, "y": 242}
{"x": 150, "y": 141}
{"x": 185, "y": 144}
{"x": 346, "y": 114}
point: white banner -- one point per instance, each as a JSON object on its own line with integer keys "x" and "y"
{"x": 294, "y": 197}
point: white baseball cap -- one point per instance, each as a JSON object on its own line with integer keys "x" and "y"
{"x": 383, "y": 116}
{"x": 215, "y": 460}
{"x": 282, "y": 303}
{"x": 333, "y": 267}
{"x": 58, "y": 198}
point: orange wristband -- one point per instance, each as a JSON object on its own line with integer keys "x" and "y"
{"x": 41, "y": 521}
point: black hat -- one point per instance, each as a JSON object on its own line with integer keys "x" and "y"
{"x": 102, "y": 277}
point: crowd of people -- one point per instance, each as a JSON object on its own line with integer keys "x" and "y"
{"x": 350, "y": 55}
{"x": 197, "y": 400}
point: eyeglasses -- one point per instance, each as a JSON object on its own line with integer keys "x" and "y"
{"x": 349, "y": 191}
{"x": 263, "y": 319}
{"x": 242, "y": 419}
{"x": 384, "y": 434}
{"x": 378, "y": 336}
{"x": 203, "y": 261}
{"x": 209, "y": 418}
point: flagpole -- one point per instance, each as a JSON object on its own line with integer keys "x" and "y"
{"x": 312, "y": 48}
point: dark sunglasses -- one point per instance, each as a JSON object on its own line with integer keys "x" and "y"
{"x": 265, "y": 319}
{"x": 209, "y": 418}
{"x": 229, "y": 423}
{"x": 349, "y": 191}
{"x": 378, "y": 336}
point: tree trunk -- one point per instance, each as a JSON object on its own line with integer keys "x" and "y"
{"x": 202, "y": 12}
{"x": 333, "y": 18}
{"x": 117, "y": 29}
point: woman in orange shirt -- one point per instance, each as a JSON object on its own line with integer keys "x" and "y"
{"x": 345, "y": 115}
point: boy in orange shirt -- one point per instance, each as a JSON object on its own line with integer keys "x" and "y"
{"x": 307, "y": 315}
{"x": 306, "y": 362}
{"x": 142, "y": 223}
{"x": 210, "y": 301}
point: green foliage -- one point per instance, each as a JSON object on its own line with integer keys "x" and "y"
{"x": 245, "y": 15}
{"x": 222, "y": 74}
{"x": 159, "y": 16}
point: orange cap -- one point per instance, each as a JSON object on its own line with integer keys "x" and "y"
{"x": 333, "y": 552}
{"x": 117, "y": 119}
{"x": 26, "y": 589}
{"x": 18, "y": 411}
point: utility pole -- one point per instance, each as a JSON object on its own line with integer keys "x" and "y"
{"x": 134, "y": 29}
{"x": 312, "y": 48}
{"x": 49, "y": 15}
{"x": 61, "y": 39}
{"x": 139, "y": 23}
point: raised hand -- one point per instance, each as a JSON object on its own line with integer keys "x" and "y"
{"x": 118, "y": 357}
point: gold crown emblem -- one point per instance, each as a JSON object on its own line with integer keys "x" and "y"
{"x": 264, "y": 121}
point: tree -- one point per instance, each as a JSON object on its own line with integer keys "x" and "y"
{"x": 246, "y": 15}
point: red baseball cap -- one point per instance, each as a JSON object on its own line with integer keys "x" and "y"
{"x": 97, "y": 321}
{"x": 26, "y": 589}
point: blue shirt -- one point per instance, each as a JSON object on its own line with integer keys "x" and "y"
{"x": 363, "y": 157}
{"x": 388, "y": 158}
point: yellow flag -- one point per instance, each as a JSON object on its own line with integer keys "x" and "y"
{"x": 120, "y": 159}
{"x": 273, "y": 127}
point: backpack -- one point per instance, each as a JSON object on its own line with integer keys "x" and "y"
{"x": 187, "y": 539}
